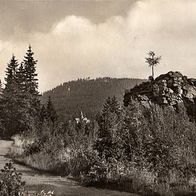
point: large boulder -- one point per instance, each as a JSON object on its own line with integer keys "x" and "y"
{"x": 171, "y": 89}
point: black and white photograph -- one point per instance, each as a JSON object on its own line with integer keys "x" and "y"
{"x": 97, "y": 97}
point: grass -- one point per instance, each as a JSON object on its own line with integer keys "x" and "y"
{"x": 141, "y": 182}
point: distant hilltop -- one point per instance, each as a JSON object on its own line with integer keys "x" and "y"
{"x": 171, "y": 89}
{"x": 87, "y": 95}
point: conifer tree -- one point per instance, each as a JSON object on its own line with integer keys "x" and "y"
{"x": 9, "y": 99}
{"x": 11, "y": 70}
{"x": 24, "y": 118}
{"x": 20, "y": 79}
{"x": 28, "y": 83}
{"x": 31, "y": 83}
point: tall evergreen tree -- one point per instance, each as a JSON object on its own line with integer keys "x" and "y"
{"x": 24, "y": 118}
{"x": 9, "y": 99}
{"x": 11, "y": 70}
{"x": 21, "y": 79}
{"x": 20, "y": 104}
{"x": 31, "y": 83}
{"x": 29, "y": 78}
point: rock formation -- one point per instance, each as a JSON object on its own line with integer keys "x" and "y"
{"x": 169, "y": 89}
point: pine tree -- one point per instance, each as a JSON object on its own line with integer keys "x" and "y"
{"x": 11, "y": 70}
{"x": 31, "y": 83}
{"x": 31, "y": 89}
{"x": 20, "y": 79}
{"x": 24, "y": 118}
{"x": 9, "y": 99}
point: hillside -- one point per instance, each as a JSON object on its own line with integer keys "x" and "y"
{"x": 87, "y": 95}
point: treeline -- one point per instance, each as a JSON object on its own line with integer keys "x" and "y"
{"x": 20, "y": 97}
{"x": 87, "y": 95}
{"x": 150, "y": 151}
{"x": 21, "y": 111}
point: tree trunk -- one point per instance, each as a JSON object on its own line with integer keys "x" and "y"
{"x": 153, "y": 71}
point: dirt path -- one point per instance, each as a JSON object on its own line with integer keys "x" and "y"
{"x": 62, "y": 186}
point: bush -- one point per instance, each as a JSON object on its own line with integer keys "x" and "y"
{"x": 82, "y": 160}
{"x": 96, "y": 174}
{"x": 11, "y": 183}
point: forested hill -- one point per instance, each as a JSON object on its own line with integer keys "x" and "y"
{"x": 87, "y": 95}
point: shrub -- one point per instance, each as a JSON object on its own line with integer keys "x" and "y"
{"x": 11, "y": 183}
{"x": 96, "y": 174}
{"x": 81, "y": 160}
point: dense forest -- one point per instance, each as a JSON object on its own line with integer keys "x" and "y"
{"x": 146, "y": 150}
{"x": 87, "y": 95}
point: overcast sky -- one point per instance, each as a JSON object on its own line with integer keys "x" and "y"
{"x": 95, "y": 38}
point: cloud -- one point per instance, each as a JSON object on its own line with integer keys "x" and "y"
{"x": 21, "y": 18}
{"x": 77, "y": 47}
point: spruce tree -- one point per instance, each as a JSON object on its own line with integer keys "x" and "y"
{"x": 11, "y": 70}
{"x": 30, "y": 89}
{"x": 21, "y": 79}
{"x": 9, "y": 100}
{"x": 22, "y": 100}
{"x": 31, "y": 83}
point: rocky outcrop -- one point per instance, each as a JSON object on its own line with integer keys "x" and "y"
{"x": 169, "y": 89}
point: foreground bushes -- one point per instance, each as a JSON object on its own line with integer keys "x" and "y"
{"x": 135, "y": 149}
{"x": 11, "y": 183}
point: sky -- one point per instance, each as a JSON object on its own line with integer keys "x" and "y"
{"x": 75, "y": 39}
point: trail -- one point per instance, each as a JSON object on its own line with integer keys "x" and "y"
{"x": 61, "y": 186}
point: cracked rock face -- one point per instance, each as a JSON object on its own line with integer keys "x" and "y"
{"x": 169, "y": 89}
